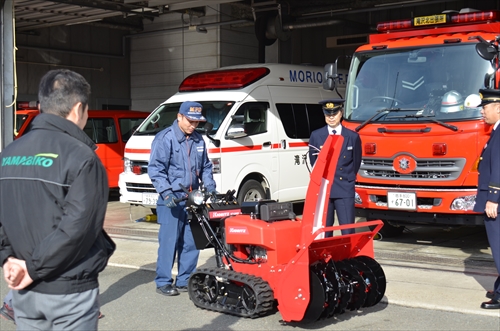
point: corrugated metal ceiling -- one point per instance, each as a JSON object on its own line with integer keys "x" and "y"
{"x": 128, "y": 14}
{"x": 36, "y": 14}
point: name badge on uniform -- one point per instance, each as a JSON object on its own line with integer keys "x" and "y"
{"x": 349, "y": 148}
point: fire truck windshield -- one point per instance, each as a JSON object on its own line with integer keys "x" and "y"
{"x": 423, "y": 84}
{"x": 20, "y": 119}
{"x": 162, "y": 117}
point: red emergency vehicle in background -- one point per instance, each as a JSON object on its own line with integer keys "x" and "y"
{"x": 406, "y": 97}
{"x": 109, "y": 129}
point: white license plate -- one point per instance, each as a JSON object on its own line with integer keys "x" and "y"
{"x": 149, "y": 198}
{"x": 401, "y": 200}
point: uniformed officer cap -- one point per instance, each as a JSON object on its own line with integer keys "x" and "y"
{"x": 332, "y": 106}
{"x": 489, "y": 96}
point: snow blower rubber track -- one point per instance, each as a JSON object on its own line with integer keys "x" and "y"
{"x": 230, "y": 292}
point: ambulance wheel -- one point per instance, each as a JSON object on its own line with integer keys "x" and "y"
{"x": 251, "y": 191}
{"x": 153, "y": 210}
{"x": 389, "y": 230}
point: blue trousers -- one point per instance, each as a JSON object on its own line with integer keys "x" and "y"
{"x": 175, "y": 241}
{"x": 345, "y": 213}
{"x": 492, "y": 227}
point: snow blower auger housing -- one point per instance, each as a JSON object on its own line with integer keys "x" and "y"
{"x": 264, "y": 253}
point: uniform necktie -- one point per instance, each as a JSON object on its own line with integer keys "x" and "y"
{"x": 334, "y": 132}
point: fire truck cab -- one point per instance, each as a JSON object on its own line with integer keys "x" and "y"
{"x": 262, "y": 116}
{"x": 405, "y": 96}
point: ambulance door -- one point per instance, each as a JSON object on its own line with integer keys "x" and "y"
{"x": 298, "y": 113}
{"x": 247, "y": 155}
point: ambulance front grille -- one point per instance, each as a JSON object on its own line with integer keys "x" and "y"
{"x": 140, "y": 188}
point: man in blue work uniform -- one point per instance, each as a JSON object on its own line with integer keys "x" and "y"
{"x": 178, "y": 156}
{"x": 342, "y": 190}
{"x": 488, "y": 188}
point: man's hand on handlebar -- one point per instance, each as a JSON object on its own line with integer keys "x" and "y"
{"x": 170, "y": 201}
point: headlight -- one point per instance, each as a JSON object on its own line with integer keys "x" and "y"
{"x": 127, "y": 165}
{"x": 464, "y": 203}
{"x": 357, "y": 199}
{"x": 196, "y": 197}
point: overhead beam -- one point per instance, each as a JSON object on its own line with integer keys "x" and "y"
{"x": 112, "y": 6}
{"x": 7, "y": 82}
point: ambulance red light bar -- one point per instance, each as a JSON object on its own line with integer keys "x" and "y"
{"x": 222, "y": 79}
{"x": 440, "y": 19}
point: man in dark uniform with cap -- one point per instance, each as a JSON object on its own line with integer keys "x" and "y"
{"x": 488, "y": 188}
{"x": 342, "y": 190}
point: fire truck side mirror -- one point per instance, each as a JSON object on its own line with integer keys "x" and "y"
{"x": 330, "y": 76}
{"x": 486, "y": 51}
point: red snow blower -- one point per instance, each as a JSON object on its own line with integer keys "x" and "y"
{"x": 265, "y": 254}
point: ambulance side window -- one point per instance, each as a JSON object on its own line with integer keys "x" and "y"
{"x": 299, "y": 120}
{"x": 253, "y": 117}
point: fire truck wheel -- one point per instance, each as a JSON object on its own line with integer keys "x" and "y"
{"x": 251, "y": 191}
{"x": 389, "y": 230}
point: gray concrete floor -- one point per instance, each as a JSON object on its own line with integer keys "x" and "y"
{"x": 436, "y": 280}
{"x": 426, "y": 267}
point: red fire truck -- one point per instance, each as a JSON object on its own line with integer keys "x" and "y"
{"x": 406, "y": 96}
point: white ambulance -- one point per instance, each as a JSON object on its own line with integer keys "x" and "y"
{"x": 262, "y": 116}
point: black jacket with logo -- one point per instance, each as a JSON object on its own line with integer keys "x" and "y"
{"x": 53, "y": 198}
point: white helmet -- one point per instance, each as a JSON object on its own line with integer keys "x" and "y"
{"x": 452, "y": 102}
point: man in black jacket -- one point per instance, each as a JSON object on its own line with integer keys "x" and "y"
{"x": 53, "y": 198}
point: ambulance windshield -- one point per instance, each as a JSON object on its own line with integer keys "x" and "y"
{"x": 431, "y": 82}
{"x": 162, "y": 117}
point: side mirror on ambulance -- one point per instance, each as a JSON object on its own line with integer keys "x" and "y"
{"x": 330, "y": 75}
{"x": 207, "y": 129}
{"x": 236, "y": 131}
{"x": 238, "y": 118}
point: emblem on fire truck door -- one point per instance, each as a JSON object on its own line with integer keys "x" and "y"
{"x": 404, "y": 164}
